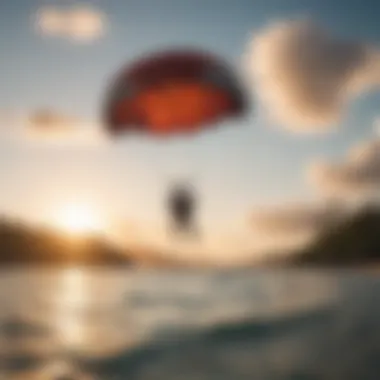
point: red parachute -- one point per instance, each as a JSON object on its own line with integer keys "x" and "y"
{"x": 174, "y": 92}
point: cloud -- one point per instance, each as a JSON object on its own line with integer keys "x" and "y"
{"x": 47, "y": 121}
{"x": 357, "y": 175}
{"x": 49, "y": 126}
{"x": 83, "y": 137}
{"x": 305, "y": 77}
{"x": 78, "y": 23}
{"x": 293, "y": 225}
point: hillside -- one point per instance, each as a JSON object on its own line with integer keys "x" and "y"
{"x": 354, "y": 242}
{"x": 24, "y": 245}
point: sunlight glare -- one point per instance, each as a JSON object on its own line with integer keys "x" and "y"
{"x": 78, "y": 219}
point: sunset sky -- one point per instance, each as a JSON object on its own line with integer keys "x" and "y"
{"x": 258, "y": 163}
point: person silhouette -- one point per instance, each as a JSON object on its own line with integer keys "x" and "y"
{"x": 182, "y": 206}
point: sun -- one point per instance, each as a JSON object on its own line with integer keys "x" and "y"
{"x": 78, "y": 218}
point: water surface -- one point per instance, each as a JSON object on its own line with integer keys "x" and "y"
{"x": 110, "y": 324}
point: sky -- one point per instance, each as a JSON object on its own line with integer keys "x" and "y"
{"x": 255, "y": 163}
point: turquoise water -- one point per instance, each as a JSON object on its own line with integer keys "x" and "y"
{"x": 107, "y": 324}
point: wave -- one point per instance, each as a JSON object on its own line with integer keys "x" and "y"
{"x": 308, "y": 346}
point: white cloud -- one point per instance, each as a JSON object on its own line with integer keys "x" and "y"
{"x": 46, "y": 121}
{"x": 293, "y": 218}
{"x": 294, "y": 225}
{"x": 358, "y": 175}
{"x": 305, "y": 77}
{"x": 49, "y": 126}
{"x": 84, "y": 137}
{"x": 78, "y": 23}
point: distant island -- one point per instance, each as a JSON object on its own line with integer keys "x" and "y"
{"x": 354, "y": 242}
{"x": 22, "y": 244}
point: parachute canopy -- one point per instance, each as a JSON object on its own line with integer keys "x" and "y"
{"x": 173, "y": 92}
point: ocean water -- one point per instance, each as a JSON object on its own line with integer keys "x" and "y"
{"x": 146, "y": 324}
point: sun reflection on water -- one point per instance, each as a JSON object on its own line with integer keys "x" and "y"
{"x": 71, "y": 297}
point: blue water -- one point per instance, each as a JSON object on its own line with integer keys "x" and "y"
{"x": 107, "y": 324}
